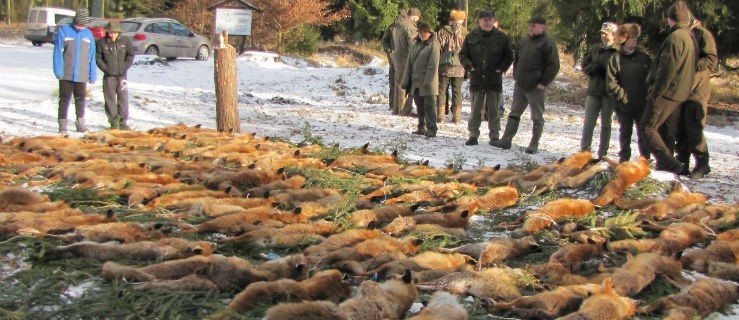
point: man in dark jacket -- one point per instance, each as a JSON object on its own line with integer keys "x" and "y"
{"x": 74, "y": 66}
{"x": 486, "y": 54}
{"x": 403, "y": 36}
{"x": 670, "y": 82}
{"x": 626, "y": 83}
{"x": 598, "y": 101}
{"x": 690, "y": 138}
{"x": 535, "y": 65}
{"x": 114, "y": 56}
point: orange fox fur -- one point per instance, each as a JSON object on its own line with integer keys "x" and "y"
{"x": 493, "y": 199}
{"x": 639, "y": 271}
{"x": 549, "y": 304}
{"x": 119, "y": 231}
{"x": 16, "y": 199}
{"x": 427, "y": 260}
{"x": 555, "y": 210}
{"x": 572, "y": 256}
{"x": 433, "y": 193}
{"x": 368, "y": 162}
{"x": 325, "y": 285}
{"x": 496, "y": 250}
{"x": 700, "y": 299}
{"x": 66, "y": 221}
{"x": 605, "y": 304}
{"x": 387, "y": 300}
{"x": 379, "y": 215}
{"x": 718, "y": 251}
{"x": 677, "y": 199}
{"x": 295, "y": 266}
{"x": 498, "y": 284}
{"x": 555, "y": 273}
{"x": 627, "y": 173}
{"x": 339, "y": 240}
{"x": 443, "y": 306}
{"x": 307, "y": 310}
{"x": 228, "y": 273}
{"x": 164, "y": 249}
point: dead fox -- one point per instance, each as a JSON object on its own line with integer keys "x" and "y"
{"x": 388, "y": 300}
{"x": 606, "y": 303}
{"x": 427, "y": 260}
{"x": 553, "y": 211}
{"x": 164, "y": 249}
{"x": 56, "y": 224}
{"x": 698, "y": 300}
{"x": 555, "y": 273}
{"x": 19, "y": 199}
{"x": 718, "y": 251}
{"x": 228, "y": 273}
{"x": 496, "y": 250}
{"x": 498, "y": 284}
{"x": 677, "y": 199}
{"x": 572, "y": 256}
{"x": 549, "y": 304}
{"x": 442, "y": 306}
{"x": 493, "y": 199}
{"x": 380, "y": 215}
{"x": 307, "y": 310}
{"x": 367, "y": 162}
{"x": 433, "y": 193}
{"x": 118, "y": 231}
{"x": 640, "y": 270}
{"x": 339, "y": 240}
{"x": 627, "y": 173}
{"x": 325, "y": 285}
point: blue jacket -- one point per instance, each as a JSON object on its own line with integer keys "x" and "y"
{"x": 74, "y": 55}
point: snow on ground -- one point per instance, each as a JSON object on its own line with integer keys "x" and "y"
{"x": 283, "y": 97}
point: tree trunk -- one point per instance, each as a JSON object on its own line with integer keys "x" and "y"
{"x": 227, "y": 112}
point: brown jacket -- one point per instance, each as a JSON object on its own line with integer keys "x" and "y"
{"x": 707, "y": 64}
{"x": 673, "y": 70}
{"x": 422, "y": 69}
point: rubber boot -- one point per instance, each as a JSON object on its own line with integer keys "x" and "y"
{"x": 123, "y": 125}
{"x": 62, "y": 125}
{"x": 81, "y": 125}
{"x": 701, "y": 167}
{"x": 114, "y": 122}
{"x": 511, "y": 127}
{"x": 536, "y": 132}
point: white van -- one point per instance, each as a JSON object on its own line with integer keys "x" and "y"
{"x": 42, "y": 23}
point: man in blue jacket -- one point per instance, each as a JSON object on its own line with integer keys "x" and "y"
{"x": 74, "y": 66}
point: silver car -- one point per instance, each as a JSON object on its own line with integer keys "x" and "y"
{"x": 165, "y": 38}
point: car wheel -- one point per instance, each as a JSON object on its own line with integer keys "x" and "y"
{"x": 203, "y": 53}
{"x": 36, "y": 43}
{"x": 152, "y": 50}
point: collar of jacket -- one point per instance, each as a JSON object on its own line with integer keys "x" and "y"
{"x": 432, "y": 37}
{"x": 679, "y": 25}
{"x": 538, "y": 36}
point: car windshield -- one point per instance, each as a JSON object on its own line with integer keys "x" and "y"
{"x": 129, "y": 26}
{"x": 63, "y": 21}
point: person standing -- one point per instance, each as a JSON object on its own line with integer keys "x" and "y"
{"x": 451, "y": 73}
{"x": 486, "y": 54}
{"x": 74, "y": 66}
{"x": 597, "y": 100}
{"x": 670, "y": 82}
{"x": 626, "y": 83}
{"x": 535, "y": 65}
{"x": 114, "y": 56}
{"x": 403, "y": 35}
{"x": 389, "y": 45}
{"x": 421, "y": 78}
{"x": 690, "y": 140}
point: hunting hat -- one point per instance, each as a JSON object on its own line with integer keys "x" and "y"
{"x": 81, "y": 18}
{"x": 679, "y": 12}
{"x": 424, "y": 27}
{"x": 608, "y": 27}
{"x": 114, "y": 26}
{"x": 413, "y": 11}
{"x": 489, "y": 13}
{"x": 538, "y": 20}
{"x": 457, "y": 15}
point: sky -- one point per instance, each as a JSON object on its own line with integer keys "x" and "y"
{"x": 287, "y": 97}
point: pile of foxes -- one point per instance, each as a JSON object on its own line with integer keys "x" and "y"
{"x": 367, "y": 261}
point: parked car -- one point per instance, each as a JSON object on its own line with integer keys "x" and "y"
{"x": 165, "y": 38}
{"x": 97, "y": 26}
{"x": 42, "y": 23}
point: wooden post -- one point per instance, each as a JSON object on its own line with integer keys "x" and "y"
{"x": 227, "y": 111}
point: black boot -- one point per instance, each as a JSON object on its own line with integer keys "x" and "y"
{"x": 701, "y": 167}
{"x": 471, "y": 142}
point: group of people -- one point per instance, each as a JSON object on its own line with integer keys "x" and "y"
{"x": 425, "y": 64}
{"x": 665, "y": 98}
{"x": 77, "y": 57}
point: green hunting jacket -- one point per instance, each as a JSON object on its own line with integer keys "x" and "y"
{"x": 535, "y": 62}
{"x": 707, "y": 64}
{"x": 673, "y": 70}
{"x": 484, "y": 52}
{"x": 422, "y": 70}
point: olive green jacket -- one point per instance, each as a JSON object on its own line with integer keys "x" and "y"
{"x": 403, "y": 34}
{"x": 594, "y": 65}
{"x": 422, "y": 69}
{"x": 486, "y": 55}
{"x": 673, "y": 70}
{"x": 535, "y": 62}
{"x": 707, "y": 64}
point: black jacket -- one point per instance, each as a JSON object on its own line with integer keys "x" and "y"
{"x": 484, "y": 52}
{"x": 626, "y": 79}
{"x": 114, "y": 57}
{"x": 535, "y": 62}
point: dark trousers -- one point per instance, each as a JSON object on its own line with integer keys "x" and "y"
{"x": 627, "y": 121}
{"x": 426, "y": 106}
{"x": 68, "y": 88}
{"x": 391, "y": 80}
{"x": 115, "y": 91}
{"x": 442, "y": 103}
{"x": 657, "y": 113}
{"x": 690, "y": 138}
